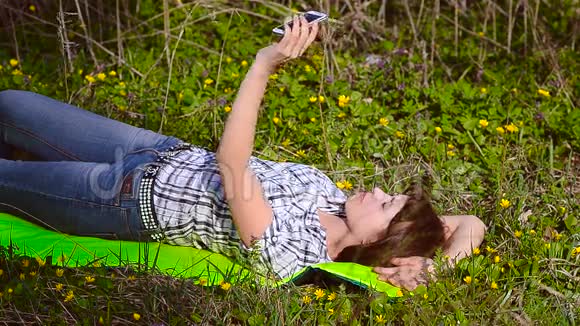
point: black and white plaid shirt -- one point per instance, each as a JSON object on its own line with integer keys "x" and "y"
{"x": 191, "y": 208}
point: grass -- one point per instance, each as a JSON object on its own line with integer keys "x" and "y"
{"x": 482, "y": 101}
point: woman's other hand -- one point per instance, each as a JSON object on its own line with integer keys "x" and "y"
{"x": 294, "y": 43}
{"x": 409, "y": 272}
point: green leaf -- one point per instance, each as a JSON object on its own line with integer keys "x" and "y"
{"x": 257, "y": 320}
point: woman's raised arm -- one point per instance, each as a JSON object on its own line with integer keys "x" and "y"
{"x": 250, "y": 212}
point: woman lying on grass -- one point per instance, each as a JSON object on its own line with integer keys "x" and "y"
{"x": 100, "y": 177}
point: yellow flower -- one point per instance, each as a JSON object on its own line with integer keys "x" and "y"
{"x": 331, "y": 296}
{"x": 425, "y": 296}
{"x": 41, "y": 262}
{"x": 122, "y": 84}
{"x": 319, "y": 293}
{"x": 286, "y": 142}
{"x": 547, "y": 245}
{"x": 202, "y": 281}
{"x": 307, "y": 68}
{"x": 59, "y": 286}
{"x": 562, "y": 209}
{"x": 330, "y": 311}
{"x": 438, "y": 130}
{"x": 343, "y": 100}
{"x": 321, "y": 99}
{"x": 89, "y": 279}
{"x": 341, "y": 115}
{"x": 13, "y": 62}
{"x": 244, "y": 63}
{"x": 399, "y": 293}
{"x": 90, "y": 78}
{"x": 112, "y": 73}
{"x": 235, "y": 75}
{"x": 313, "y": 99}
{"x": 450, "y": 153}
{"x": 383, "y": 121}
{"x": 481, "y": 34}
{"x": 180, "y": 96}
{"x": 504, "y": 203}
{"x": 101, "y": 76}
{"x": 25, "y": 263}
{"x": 122, "y": 92}
{"x": 10, "y": 290}
{"x": 476, "y": 251}
{"x": 22, "y": 276}
{"x": 467, "y": 279}
{"x": 514, "y": 90}
{"x": 59, "y": 272}
{"x": 518, "y": 234}
{"x": 450, "y": 146}
{"x": 557, "y": 236}
{"x": 228, "y": 109}
{"x": 540, "y": 91}
{"x": 340, "y": 185}
{"x": 276, "y": 120}
{"x": 496, "y": 259}
{"x": 493, "y": 285}
{"x": 32, "y": 273}
{"x": 32, "y": 8}
{"x": 380, "y": 319}
{"x": 17, "y": 72}
{"x": 281, "y": 89}
{"x": 301, "y": 153}
{"x": 347, "y": 185}
{"x": 313, "y": 119}
{"x": 490, "y": 249}
{"x": 532, "y": 232}
{"x": 69, "y": 296}
{"x": 399, "y": 134}
{"x": 227, "y": 90}
{"x": 511, "y": 128}
{"x": 483, "y": 123}
{"x": 136, "y": 316}
{"x": 225, "y": 285}
{"x": 273, "y": 76}
{"x": 208, "y": 81}
{"x": 483, "y": 90}
{"x": 500, "y": 130}
{"x": 228, "y": 60}
{"x": 306, "y": 299}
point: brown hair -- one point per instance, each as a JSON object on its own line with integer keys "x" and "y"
{"x": 414, "y": 231}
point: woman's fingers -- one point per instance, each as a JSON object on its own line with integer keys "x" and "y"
{"x": 298, "y": 37}
{"x": 294, "y": 32}
{"x": 302, "y": 38}
{"x": 311, "y": 38}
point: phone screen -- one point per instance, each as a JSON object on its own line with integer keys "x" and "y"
{"x": 310, "y": 17}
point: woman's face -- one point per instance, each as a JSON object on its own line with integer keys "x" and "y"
{"x": 370, "y": 213}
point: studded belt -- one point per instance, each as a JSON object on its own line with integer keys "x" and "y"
{"x": 146, "y": 206}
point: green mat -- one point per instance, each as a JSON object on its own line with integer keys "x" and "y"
{"x": 203, "y": 266}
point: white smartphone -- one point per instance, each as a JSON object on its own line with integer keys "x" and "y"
{"x": 311, "y": 17}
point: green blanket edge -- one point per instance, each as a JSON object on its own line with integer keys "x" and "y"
{"x": 205, "y": 267}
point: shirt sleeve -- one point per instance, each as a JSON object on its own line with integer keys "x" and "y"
{"x": 293, "y": 241}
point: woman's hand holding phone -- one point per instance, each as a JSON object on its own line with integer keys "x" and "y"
{"x": 296, "y": 40}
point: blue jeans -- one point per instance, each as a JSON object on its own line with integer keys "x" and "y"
{"x": 87, "y": 182}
